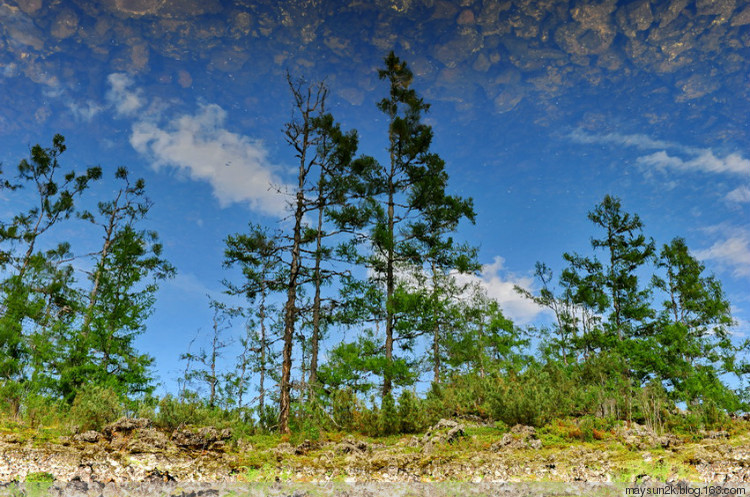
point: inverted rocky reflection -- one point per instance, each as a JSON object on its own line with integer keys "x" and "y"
{"x": 691, "y": 55}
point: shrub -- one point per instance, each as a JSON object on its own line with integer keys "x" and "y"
{"x": 344, "y": 406}
{"x": 463, "y": 395}
{"x": 94, "y": 407}
{"x": 268, "y": 418}
{"x": 174, "y": 413}
{"x": 39, "y": 411}
{"x": 40, "y": 477}
{"x": 533, "y": 397}
{"x": 410, "y": 418}
{"x": 388, "y": 419}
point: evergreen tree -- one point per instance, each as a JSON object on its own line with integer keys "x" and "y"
{"x": 259, "y": 257}
{"x": 207, "y": 359}
{"x": 323, "y": 153}
{"x": 124, "y": 281}
{"x": 335, "y": 185}
{"x": 409, "y": 215}
{"x": 36, "y": 285}
{"x": 693, "y": 340}
{"x": 485, "y": 342}
{"x": 612, "y": 288}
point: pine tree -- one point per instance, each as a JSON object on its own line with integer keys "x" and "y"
{"x": 36, "y": 293}
{"x": 260, "y": 259}
{"x": 409, "y": 215}
{"x": 612, "y": 287}
{"x": 695, "y": 347}
{"x": 124, "y": 281}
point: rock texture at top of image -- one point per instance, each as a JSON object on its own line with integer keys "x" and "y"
{"x": 688, "y": 55}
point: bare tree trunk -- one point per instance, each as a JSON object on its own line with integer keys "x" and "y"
{"x": 263, "y": 345}
{"x": 390, "y": 283}
{"x": 290, "y": 315}
{"x": 315, "y": 339}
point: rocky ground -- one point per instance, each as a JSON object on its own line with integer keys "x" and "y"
{"x": 133, "y": 451}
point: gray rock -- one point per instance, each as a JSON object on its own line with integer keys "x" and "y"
{"x": 306, "y": 446}
{"x": 90, "y": 436}
{"x": 716, "y": 435}
{"x": 148, "y": 441}
{"x": 641, "y": 437}
{"x": 200, "y": 439}
{"x": 446, "y": 431}
{"x": 352, "y": 446}
{"x": 125, "y": 425}
{"x": 519, "y": 437}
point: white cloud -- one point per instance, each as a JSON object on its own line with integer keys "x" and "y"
{"x": 705, "y": 161}
{"x": 641, "y": 142}
{"x": 86, "y": 111}
{"x": 732, "y": 252}
{"x": 740, "y": 195}
{"x": 236, "y": 166}
{"x": 500, "y": 285}
{"x": 125, "y": 101}
{"x": 668, "y": 156}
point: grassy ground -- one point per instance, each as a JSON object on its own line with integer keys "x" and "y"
{"x": 571, "y": 450}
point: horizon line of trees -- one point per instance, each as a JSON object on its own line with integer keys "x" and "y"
{"x": 369, "y": 254}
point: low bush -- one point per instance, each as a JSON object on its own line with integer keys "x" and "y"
{"x": 94, "y": 407}
{"x": 533, "y": 397}
{"x": 174, "y": 412}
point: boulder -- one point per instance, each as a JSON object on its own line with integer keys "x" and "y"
{"x": 90, "y": 436}
{"x": 641, "y": 437}
{"x": 715, "y": 435}
{"x": 283, "y": 449}
{"x": 446, "y": 431}
{"x": 519, "y": 437}
{"x": 352, "y": 446}
{"x": 205, "y": 438}
{"x": 306, "y": 446}
{"x": 148, "y": 441}
{"x": 126, "y": 425}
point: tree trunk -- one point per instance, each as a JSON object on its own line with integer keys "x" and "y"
{"x": 263, "y": 345}
{"x": 315, "y": 339}
{"x": 290, "y": 312}
{"x": 389, "y": 278}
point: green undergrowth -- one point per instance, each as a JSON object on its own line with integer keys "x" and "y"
{"x": 566, "y": 442}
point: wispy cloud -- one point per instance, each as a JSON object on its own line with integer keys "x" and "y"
{"x": 9, "y": 70}
{"x": 188, "y": 284}
{"x": 500, "y": 285}
{"x": 237, "y": 167}
{"x": 641, "y": 142}
{"x": 705, "y": 161}
{"x": 122, "y": 97}
{"x": 670, "y": 156}
{"x": 199, "y": 146}
{"x": 85, "y": 111}
{"x": 731, "y": 252}
{"x": 740, "y": 195}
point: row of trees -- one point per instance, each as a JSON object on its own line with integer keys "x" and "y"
{"x": 653, "y": 316}
{"x": 361, "y": 291}
{"x": 351, "y": 214}
{"x": 69, "y": 318}
{"x": 369, "y": 250}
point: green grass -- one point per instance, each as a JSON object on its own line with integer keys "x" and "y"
{"x": 40, "y": 477}
{"x": 265, "y": 474}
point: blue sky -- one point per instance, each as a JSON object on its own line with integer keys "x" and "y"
{"x": 539, "y": 108}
